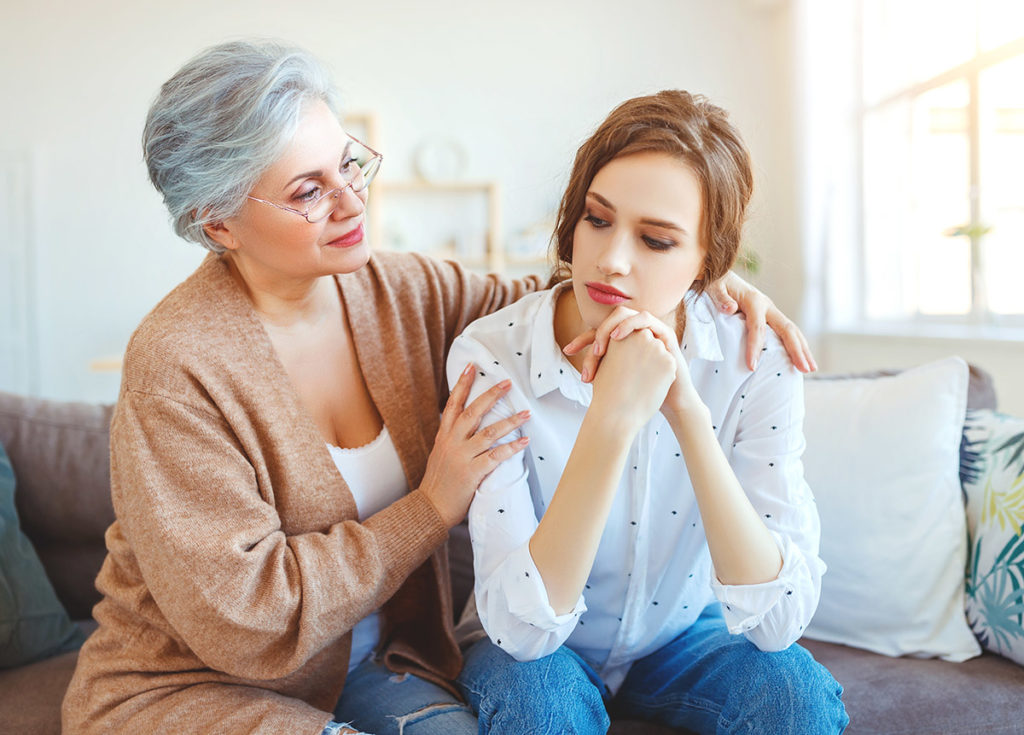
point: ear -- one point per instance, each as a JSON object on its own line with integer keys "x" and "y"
{"x": 221, "y": 234}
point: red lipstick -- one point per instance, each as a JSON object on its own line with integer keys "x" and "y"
{"x": 353, "y": 237}
{"x": 604, "y": 294}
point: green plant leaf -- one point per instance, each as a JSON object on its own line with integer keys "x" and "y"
{"x": 1012, "y": 554}
{"x": 1017, "y": 440}
{"x": 1000, "y": 601}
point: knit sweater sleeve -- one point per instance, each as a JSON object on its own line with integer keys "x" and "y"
{"x": 244, "y": 596}
{"x": 465, "y": 296}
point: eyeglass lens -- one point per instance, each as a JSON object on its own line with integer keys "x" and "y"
{"x": 358, "y": 174}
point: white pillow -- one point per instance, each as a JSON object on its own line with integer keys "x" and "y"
{"x": 882, "y": 460}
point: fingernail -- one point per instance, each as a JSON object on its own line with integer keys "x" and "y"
{"x": 585, "y": 375}
{"x": 523, "y": 441}
{"x": 468, "y": 369}
{"x": 596, "y": 350}
{"x": 505, "y": 384}
{"x": 566, "y": 349}
{"x": 614, "y": 334}
{"x": 524, "y": 415}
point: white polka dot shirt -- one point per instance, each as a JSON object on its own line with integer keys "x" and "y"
{"x": 652, "y": 575}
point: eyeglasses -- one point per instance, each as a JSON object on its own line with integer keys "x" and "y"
{"x": 359, "y": 166}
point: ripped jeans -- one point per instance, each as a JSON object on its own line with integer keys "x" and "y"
{"x": 378, "y": 701}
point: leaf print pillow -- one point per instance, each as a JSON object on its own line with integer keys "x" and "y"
{"x": 992, "y": 474}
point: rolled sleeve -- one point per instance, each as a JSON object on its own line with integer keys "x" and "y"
{"x": 772, "y": 615}
{"x": 511, "y": 599}
{"x": 766, "y": 458}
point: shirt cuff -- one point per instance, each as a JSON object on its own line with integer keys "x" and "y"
{"x": 744, "y": 606}
{"x": 528, "y": 598}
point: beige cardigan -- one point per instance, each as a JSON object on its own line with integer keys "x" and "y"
{"x": 236, "y": 568}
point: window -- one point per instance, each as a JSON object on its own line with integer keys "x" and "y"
{"x": 942, "y": 165}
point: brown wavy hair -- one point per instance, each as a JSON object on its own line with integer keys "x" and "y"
{"x": 685, "y": 126}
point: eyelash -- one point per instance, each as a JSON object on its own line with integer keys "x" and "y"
{"x": 312, "y": 194}
{"x": 653, "y": 244}
{"x": 308, "y": 196}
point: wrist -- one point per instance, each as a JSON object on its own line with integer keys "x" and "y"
{"x": 617, "y": 423}
{"x": 687, "y": 415}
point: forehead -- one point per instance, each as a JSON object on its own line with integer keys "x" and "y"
{"x": 317, "y": 143}
{"x": 650, "y": 185}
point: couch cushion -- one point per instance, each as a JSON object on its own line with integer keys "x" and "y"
{"x": 60, "y": 453}
{"x": 992, "y": 472}
{"x": 33, "y": 623}
{"x": 882, "y": 460}
{"x": 907, "y": 696}
{"x": 32, "y": 695}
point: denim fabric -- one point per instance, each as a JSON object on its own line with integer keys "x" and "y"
{"x": 382, "y": 702}
{"x": 705, "y": 680}
{"x": 334, "y": 728}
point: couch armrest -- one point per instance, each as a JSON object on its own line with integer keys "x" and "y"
{"x": 60, "y": 452}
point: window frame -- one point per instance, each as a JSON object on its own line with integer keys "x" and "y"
{"x": 969, "y": 72}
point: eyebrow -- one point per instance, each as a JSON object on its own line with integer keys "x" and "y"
{"x": 663, "y": 223}
{"x": 318, "y": 173}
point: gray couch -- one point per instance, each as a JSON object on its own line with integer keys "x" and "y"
{"x": 59, "y": 452}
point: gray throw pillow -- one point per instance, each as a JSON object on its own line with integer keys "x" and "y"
{"x": 33, "y": 623}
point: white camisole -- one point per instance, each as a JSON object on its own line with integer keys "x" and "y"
{"x": 374, "y": 475}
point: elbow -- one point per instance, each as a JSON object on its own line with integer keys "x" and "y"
{"x": 256, "y": 662}
{"x": 773, "y": 638}
{"x": 523, "y": 651}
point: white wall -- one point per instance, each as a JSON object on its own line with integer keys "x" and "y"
{"x": 519, "y": 85}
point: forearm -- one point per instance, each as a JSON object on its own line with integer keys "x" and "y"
{"x": 565, "y": 543}
{"x": 742, "y": 549}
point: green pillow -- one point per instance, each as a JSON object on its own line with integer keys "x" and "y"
{"x": 33, "y": 623}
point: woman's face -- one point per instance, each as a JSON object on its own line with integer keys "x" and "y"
{"x": 278, "y": 244}
{"x": 638, "y": 242}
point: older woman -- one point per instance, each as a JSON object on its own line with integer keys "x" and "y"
{"x": 282, "y": 472}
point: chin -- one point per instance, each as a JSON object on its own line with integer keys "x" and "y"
{"x": 350, "y": 259}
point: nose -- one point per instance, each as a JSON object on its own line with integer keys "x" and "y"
{"x": 614, "y": 256}
{"x": 349, "y": 204}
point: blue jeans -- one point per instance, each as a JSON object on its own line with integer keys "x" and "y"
{"x": 381, "y": 702}
{"x": 705, "y": 680}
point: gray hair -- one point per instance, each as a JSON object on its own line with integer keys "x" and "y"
{"x": 221, "y": 121}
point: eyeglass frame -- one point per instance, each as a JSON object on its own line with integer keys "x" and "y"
{"x": 340, "y": 190}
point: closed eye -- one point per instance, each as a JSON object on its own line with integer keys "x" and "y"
{"x": 311, "y": 195}
{"x": 655, "y": 244}
{"x": 596, "y": 221}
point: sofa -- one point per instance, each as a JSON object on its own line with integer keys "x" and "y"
{"x": 59, "y": 454}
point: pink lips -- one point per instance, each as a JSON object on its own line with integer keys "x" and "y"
{"x": 605, "y": 294}
{"x": 352, "y": 238}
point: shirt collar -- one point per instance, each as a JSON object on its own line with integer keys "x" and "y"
{"x": 700, "y": 336}
{"x": 550, "y": 369}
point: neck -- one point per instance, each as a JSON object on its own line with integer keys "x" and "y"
{"x": 286, "y": 302}
{"x": 569, "y": 323}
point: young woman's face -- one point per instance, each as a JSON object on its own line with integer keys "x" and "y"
{"x": 284, "y": 243}
{"x": 638, "y": 243}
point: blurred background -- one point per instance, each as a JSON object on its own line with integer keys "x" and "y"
{"x": 887, "y": 137}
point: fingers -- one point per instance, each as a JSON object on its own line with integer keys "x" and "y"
{"x": 500, "y": 453}
{"x": 469, "y": 420}
{"x": 618, "y": 329}
{"x": 793, "y": 340}
{"x": 457, "y": 397}
{"x": 579, "y": 342}
{"x": 645, "y": 320}
{"x": 609, "y": 325}
{"x": 755, "y": 342}
{"x": 720, "y": 296}
{"x": 491, "y": 433}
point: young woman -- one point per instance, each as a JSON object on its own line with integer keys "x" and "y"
{"x": 286, "y": 461}
{"x": 654, "y": 549}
